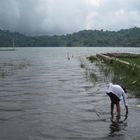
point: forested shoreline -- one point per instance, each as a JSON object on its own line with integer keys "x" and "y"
{"x": 86, "y": 38}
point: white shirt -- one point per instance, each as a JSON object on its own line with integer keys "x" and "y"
{"x": 118, "y": 91}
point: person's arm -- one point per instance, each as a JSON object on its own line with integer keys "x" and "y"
{"x": 125, "y": 103}
{"x": 126, "y": 107}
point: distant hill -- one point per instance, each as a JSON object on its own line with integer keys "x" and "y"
{"x": 90, "y": 38}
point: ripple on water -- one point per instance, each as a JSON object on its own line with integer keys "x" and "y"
{"x": 53, "y": 99}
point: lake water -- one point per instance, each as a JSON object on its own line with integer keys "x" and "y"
{"x": 45, "y": 96}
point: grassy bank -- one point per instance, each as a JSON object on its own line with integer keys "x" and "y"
{"x": 128, "y": 76}
{"x": 131, "y": 60}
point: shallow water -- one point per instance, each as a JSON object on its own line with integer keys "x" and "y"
{"x": 43, "y": 95}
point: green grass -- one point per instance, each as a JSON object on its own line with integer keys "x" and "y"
{"x": 133, "y": 60}
{"x": 92, "y": 58}
{"x": 128, "y": 76}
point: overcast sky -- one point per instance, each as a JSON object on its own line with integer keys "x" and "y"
{"x": 38, "y": 17}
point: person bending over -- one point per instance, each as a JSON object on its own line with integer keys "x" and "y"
{"x": 116, "y": 93}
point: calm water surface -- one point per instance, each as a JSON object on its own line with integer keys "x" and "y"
{"x": 45, "y": 96}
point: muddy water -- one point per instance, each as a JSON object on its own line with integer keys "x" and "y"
{"x": 45, "y": 96}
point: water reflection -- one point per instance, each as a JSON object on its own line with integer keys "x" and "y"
{"x": 117, "y": 126}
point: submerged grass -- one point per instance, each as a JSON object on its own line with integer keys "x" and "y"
{"x": 93, "y": 77}
{"x": 89, "y": 72}
{"x": 92, "y": 58}
{"x": 136, "y": 138}
{"x": 7, "y": 69}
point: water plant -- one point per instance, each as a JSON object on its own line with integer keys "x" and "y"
{"x": 7, "y": 69}
{"x": 92, "y": 58}
{"x": 136, "y": 138}
{"x": 82, "y": 66}
{"x": 93, "y": 77}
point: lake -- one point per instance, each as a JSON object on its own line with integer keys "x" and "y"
{"x": 45, "y": 96}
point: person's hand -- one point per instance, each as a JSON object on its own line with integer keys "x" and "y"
{"x": 126, "y": 116}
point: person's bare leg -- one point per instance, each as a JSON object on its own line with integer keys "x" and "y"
{"x": 112, "y": 108}
{"x": 118, "y": 108}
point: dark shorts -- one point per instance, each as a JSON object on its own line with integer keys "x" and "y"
{"x": 114, "y": 99}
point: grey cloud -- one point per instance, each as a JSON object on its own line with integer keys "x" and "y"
{"x": 115, "y": 15}
{"x": 37, "y": 17}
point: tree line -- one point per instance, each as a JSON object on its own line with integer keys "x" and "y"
{"x": 86, "y": 38}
